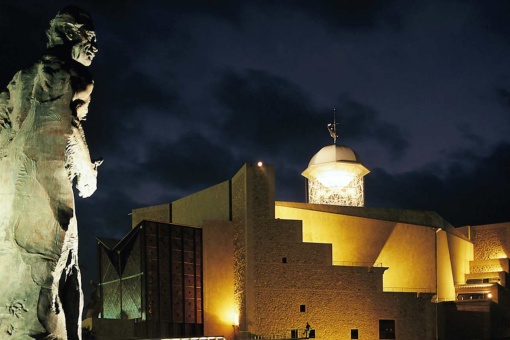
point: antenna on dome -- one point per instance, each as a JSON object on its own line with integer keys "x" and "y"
{"x": 332, "y": 127}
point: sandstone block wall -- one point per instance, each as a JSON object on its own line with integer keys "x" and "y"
{"x": 488, "y": 266}
{"x": 220, "y": 308}
{"x": 312, "y": 276}
{"x": 210, "y": 204}
{"x": 293, "y": 253}
{"x": 279, "y": 229}
{"x": 156, "y": 213}
{"x": 272, "y": 295}
{"x": 491, "y": 241}
{"x": 333, "y": 313}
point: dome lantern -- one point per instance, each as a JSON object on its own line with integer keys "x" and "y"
{"x": 335, "y": 175}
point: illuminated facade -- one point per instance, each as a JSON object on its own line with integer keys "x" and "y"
{"x": 269, "y": 268}
{"x": 260, "y": 266}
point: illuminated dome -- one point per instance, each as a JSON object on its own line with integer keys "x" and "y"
{"x": 335, "y": 176}
{"x": 334, "y": 153}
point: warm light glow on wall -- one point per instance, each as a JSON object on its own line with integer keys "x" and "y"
{"x": 337, "y": 183}
{"x": 335, "y": 178}
{"x": 234, "y": 316}
{"x": 501, "y": 254}
{"x": 229, "y": 315}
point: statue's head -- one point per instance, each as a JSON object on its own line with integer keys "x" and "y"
{"x": 73, "y": 28}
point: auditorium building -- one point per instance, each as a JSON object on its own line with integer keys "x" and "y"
{"x": 230, "y": 261}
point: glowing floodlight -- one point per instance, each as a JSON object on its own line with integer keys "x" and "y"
{"x": 235, "y": 318}
{"x": 335, "y": 176}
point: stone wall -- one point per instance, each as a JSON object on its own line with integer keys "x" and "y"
{"x": 491, "y": 241}
{"x": 271, "y": 229}
{"x": 292, "y": 253}
{"x": 209, "y": 204}
{"x": 220, "y": 307}
{"x": 239, "y": 217}
{"x": 270, "y": 292}
{"x": 408, "y": 250}
{"x": 333, "y": 313}
{"x": 488, "y": 266}
{"x": 336, "y": 299}
{"x": 157, "y": 213}
{"x": 313, "y": 276}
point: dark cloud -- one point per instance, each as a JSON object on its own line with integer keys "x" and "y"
{"x": 229, "y": 10}
{"x": 471, "y": 136}
{"x": 23, "y": 41}
{"x": 113, "y": 111}
{"x": 464, "y": 195}
{"x": 345, "y": 14}
{"x": 503, "y": 96}
{"x": 359, "y": 122}
{"x": 492, "y": 16}
{"x": 190, "y": 164}
{"x": 265, "y": 112}
{"x": 270, "y": 114}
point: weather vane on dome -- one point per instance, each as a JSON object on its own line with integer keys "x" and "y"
{"x": 332, "y": 128}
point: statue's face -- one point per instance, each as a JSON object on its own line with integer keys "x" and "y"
{"x": 84, "y": 45}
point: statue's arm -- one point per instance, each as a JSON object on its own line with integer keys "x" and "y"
{"x": 8, "y": 123}
{"x": 5, "y": 119}
{"x": 79, "y": 163}
{"x": 4, "y": 109}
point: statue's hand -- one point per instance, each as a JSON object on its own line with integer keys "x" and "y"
{"x": 54, "y": 299}
{"x": 97, "y": 162}
{"x": 87, "y": 182}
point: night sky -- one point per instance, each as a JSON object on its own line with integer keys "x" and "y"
{"x": 188, "y": 91}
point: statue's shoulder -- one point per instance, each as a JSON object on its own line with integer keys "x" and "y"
{"x": 50, "y": 64}
{"x": 46, "y": 69}
{"x": 53, "y": 65}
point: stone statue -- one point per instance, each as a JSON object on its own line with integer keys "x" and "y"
{"x": 42, "y": 152}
